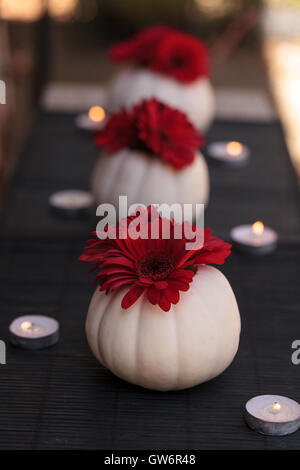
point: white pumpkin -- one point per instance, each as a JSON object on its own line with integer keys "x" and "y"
{"x": 192, "y": 343}
{"x": 133, "y": 85}
{"x": 148, "y": 180}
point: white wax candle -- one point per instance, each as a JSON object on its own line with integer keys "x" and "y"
{"x": 34, "y": 331}
{"x": 273, "y": 414}
{"x": 232, "y": 154}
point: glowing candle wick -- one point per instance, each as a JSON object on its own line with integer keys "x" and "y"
{"x": 258, "y": 228}
{"x": 276, "y": 406}
{"x": 96, "y": 114}
{"x": 234, "y": 148}
{"x": 26, "y": 325}
{"x": 30, "y": 327}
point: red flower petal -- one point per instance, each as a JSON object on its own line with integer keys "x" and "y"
{"x": 164, "y": 303}
{"x": 172, "y": 295}
{"x": 132, "y": 296}
{"x": 153, "y": 295}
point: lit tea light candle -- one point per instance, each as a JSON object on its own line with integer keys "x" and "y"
{"x": 273, "y": 415}
{"x": 231, "y": 154}
{"x": 255, "y": 239}
{"x": 71, "y": 204}
{"x": 34, "y": 331}
{"x": 93, "y": 120}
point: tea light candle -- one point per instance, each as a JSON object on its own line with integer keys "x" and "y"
{"x": 255, "y": 239}
{"x": 230, "y": 154}
{"x": 34, "y": 331}
{"x": 71, "y": 204}
{"x": 93, "y": 120}
{"x": 273, "y": 415}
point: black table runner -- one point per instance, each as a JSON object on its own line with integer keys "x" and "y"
{"x": 61, "y": 398}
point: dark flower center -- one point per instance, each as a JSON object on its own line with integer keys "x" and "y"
{"x": 156, "y": 266}
{"x": 163, "y": 136}
{"x": 178, "y": 61}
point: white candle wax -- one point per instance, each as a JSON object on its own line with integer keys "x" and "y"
{"x": 254, "y": 239}
{"x": 231, "y": 154}
{"x": 71, "y": 202}
{"x": 273, "y": 414}
{"x": 34, "y": 331}
{"x": 93, "y": 120}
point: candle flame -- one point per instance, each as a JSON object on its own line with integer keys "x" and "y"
{"x": 96, "y": 113}
{"x": 234, "y": 148}
{"x": 26, "y": 325}
{"x": 258, "y": 228}
{"x": 276, "y": 406}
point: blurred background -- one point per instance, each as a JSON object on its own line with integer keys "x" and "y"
{"x": 47, "y": 46}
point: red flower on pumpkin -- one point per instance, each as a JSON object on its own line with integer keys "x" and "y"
{"x": 153, "y": 127}
{"x": 140, "y": 47}
{"x": 157, "y": 267}
{"x": 167, "y": 132}
{"x": 165, "y": 50}
{"x": 181, "y": 56}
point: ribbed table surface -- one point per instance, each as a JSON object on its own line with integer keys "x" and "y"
{"x": 61, "y": 398}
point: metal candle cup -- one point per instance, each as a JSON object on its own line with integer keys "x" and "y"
{"x": 273, "y": 415}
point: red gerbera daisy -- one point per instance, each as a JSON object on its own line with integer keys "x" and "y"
{"x": 140, "y": 47}
{"x": 165, "y": 50}
{"x": 167, "y": 132}
{"x": 156, "y": 266}
{"x": 153, "y": 127}
{"x": 181, "y": 56}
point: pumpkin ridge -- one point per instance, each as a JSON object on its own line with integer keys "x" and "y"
{"x": 175, "y": 187}
{"x": 92, "y": 317}
{"x": 100, "y": 351}
{"x": 117, "y": 175}
{"x": 202, "y": 303}
{"x": 150, "y": 169}
{"x": 176, "y": 381}
{"x": 218, "y": 348}
{"x": 140, "y": 183}
{"x": 114, "y": 345}
{"x": 217, "y": 345}
{"x": 136, "y": 366}
{"x": 108, "y": 174}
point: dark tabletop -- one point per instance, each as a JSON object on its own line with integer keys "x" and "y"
{"x": 61, "y": 398}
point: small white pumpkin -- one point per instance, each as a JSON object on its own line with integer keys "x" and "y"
{"x": 195, "y": 99}
{"x": 193, "y": 342}
{"x": 149, "y": 180}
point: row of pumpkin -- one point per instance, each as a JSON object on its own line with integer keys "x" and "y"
{"x": 160, "y": 317}
{"x": 180, "y": 80}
